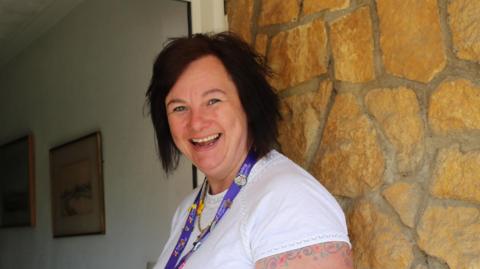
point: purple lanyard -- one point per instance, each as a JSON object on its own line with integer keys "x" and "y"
{"x": 233, "y": 190}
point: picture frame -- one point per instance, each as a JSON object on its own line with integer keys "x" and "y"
{"x": 77, "y": 192}
{"x": 17, "y": 183}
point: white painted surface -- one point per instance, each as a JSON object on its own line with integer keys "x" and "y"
{"x": 90, "y": 72}
{"x": 208, "y": 16}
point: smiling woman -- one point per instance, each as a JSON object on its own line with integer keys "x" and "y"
{"x": 207, "y": 121}
{"x": 210, "y": 100}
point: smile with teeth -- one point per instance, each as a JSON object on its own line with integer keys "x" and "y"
{"x": 205, "y": 141}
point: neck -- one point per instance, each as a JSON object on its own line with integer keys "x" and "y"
{"x": 220, "y": 183}
{"x": 217, "y": 189}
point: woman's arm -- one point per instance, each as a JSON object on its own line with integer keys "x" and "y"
{"x": 329, "y": 255}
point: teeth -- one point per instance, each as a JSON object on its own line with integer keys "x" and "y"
{"x": 206, "y": 139}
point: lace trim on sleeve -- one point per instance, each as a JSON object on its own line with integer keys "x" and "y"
{"x": 302, "y": 243}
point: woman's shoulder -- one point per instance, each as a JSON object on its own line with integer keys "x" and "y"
{"x": 284, "y": 207}
{"x": 275, "y": 169}
{"x": 278, "y": 180}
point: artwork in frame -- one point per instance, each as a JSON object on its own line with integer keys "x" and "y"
{"x": 77, "y": 187}
{"x": 17, "y": 183}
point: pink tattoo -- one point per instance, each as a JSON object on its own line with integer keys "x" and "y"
{"x": 316, "y": 252}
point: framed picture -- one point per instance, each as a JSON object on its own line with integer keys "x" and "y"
{"x": 77, "y": 187}
{"x": 17, "y": 184}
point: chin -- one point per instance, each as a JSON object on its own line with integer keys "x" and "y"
{"x": 207, "y": 166}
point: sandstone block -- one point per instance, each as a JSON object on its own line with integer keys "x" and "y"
{"x": 352, "y": 46}
{"x": 350, "y": 160}
{"x": 411, "y": 39}
{"x": 461, "y": 95}
{"x": 452, "y": 234}
{"x": 299, "y": 54}
{"x": 312, "y": 6}
{"x": 398, "y": 112}
{"x": 278, "y": 11}
{"x": 240, "y": 13}
{"x": 457, "y": 175}
{"x": 465, "y": 25}
{"x": 261, "y": 44}
{"x": 378, "y": 241}
{"x": 302, "y": 115}
{"x": 405, "y": 199}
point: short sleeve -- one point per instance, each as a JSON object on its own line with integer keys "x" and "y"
{"x": 292, "y": 211}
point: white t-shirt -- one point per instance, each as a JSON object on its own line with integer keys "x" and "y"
{"x": 281, "y": 208}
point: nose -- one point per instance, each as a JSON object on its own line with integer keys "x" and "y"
{"x": 197, "y": 120}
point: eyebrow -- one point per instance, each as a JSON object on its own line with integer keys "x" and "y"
{"x": 214, "y": 90}
{"x": 175, "y": 100}
{"x": 211, "y": 91}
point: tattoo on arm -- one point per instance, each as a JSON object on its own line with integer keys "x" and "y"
{"x": 317, "y": 253}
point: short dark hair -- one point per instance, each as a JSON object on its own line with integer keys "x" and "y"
{"x": 248, "y": 71}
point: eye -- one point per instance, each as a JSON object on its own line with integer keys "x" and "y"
{"x": 179, "y": 109}
{"x": 213, "y": 101}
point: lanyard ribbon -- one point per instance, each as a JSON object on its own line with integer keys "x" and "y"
{"x": 233, "y": 190}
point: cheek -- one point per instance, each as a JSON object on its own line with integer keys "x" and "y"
{"x": 177, "y": 137}
{"x": 175, "y": 129}
{"x": 241, "y": 123}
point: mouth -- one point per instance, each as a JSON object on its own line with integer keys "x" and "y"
{"x": 205, "y": 141}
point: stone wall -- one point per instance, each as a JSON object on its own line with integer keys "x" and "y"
{"x": 381, "y": 103}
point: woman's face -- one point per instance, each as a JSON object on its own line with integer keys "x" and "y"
{"x": 206, "y": 119}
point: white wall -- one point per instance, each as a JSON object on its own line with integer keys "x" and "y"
{"x": 208, "y": 16}
{"x": 90, "y": 72}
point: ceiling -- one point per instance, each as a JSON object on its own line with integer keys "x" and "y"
{"x": 23, "y": 21}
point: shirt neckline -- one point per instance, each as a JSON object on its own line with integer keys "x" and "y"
{"x": 214, "y": 199}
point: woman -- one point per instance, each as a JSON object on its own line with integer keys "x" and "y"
{"x": 210, "y": 100}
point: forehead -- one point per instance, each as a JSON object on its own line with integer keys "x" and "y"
{"x": 203, "y": 74}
